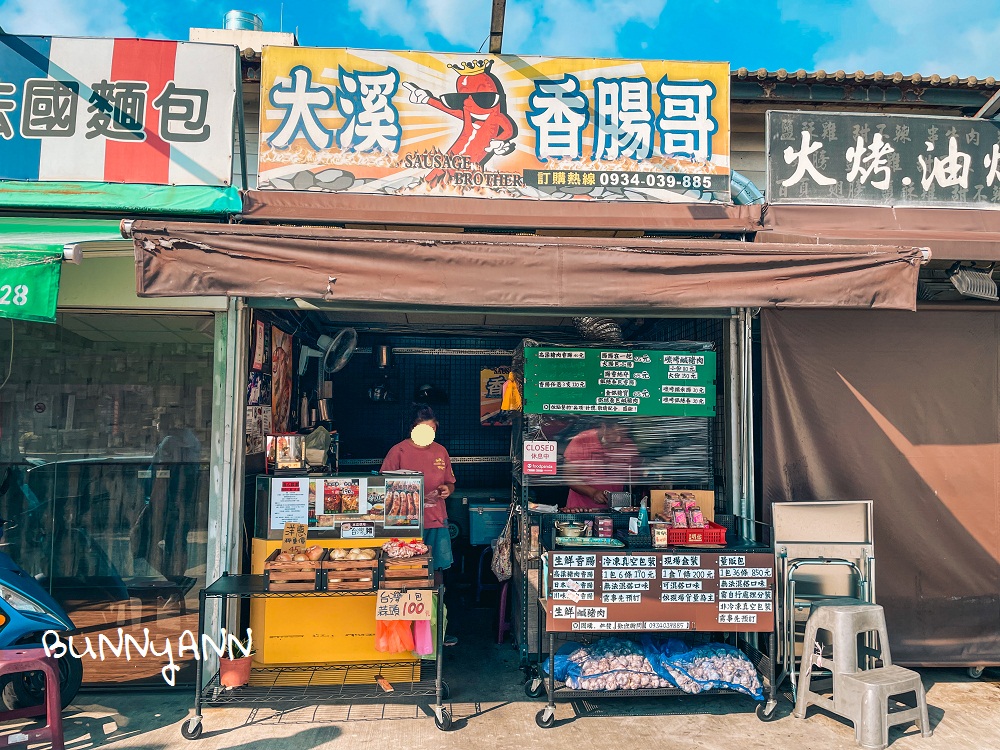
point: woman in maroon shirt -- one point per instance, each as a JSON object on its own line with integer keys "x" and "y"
{"x": 431, "y": 460}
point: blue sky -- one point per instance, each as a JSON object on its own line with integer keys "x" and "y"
{"x": 913, "y": 36}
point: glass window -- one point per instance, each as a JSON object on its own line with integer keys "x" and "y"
{"x": 105, "y": 423}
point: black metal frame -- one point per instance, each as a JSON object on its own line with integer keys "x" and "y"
{"x": 425, "y": 679}
{"x": 764, "y": 663}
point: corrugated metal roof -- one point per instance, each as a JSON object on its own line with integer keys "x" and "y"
{"x": 878, "y": 78}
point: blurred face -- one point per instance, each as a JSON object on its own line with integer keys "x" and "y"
{"x": 610, "y": 434}
{"x": 423, "y": 433}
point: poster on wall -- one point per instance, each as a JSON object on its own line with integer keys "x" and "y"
{"x": 281, "y": 378}
{"x": 493, "y": 126}
{"x": 257, "y": 428}
{"x": 259, "y": 346}
{"x": 255, "y": 432}
{"x": 266, "y": 368}
{"x": 491, "y": 380}
{"x": 259, "y": 389}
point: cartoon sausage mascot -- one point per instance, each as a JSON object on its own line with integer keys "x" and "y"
{"x": 479, "y": 101}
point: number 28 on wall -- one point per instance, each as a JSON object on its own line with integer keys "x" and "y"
{"x": 17, "y": 295}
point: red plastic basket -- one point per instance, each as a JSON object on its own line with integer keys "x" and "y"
{"x": 713, "y": 533}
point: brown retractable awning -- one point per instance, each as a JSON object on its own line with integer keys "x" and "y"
{"x": 413, "y": 270}
{"x": 498, "y": 213}
{"x": 950, "y": 233}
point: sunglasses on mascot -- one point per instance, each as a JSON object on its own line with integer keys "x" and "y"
{"x": 483, "y": 99}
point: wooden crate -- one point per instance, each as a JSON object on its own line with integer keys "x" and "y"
{"x": 349, "y": 575}
{"x": 292, "y": 576}
{"x": 406, "y": 573}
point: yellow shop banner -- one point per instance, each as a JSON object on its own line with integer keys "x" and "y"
{"x": 417, "y": 123}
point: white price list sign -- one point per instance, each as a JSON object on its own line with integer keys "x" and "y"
{"x": 289, "y": 502}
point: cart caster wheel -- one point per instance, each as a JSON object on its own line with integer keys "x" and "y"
{"x": 443, "y": 723}
{"x": 534, "y": 688}
{"x": 544, "y": 719}
{"x": 764, "y": 715}
{"x": 976, "y": 672}
{"x": 445, "y": 691}
{"x": 191, "y": 729}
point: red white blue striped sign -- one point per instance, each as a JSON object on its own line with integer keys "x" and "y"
{"x": 116, "y": 110}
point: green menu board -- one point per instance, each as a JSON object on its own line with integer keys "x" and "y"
{"x": 615, "y": 382}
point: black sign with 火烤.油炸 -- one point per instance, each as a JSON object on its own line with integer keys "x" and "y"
{"x": 882, "y": 160}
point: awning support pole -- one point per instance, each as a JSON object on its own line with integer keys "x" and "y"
{"x": 225, "y": 504}
{"x": 749, "y": 491}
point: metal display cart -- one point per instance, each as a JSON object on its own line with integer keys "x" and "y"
{"x": 558, "y": 692}
{"x": 694, "y": 471}
{"x": 307, "y": 685}
{"x": 758, "y": 643}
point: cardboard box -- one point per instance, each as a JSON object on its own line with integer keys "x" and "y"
{"x": 705, "y": 498}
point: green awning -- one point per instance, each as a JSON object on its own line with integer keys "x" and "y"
{"x": 31, "y": 254}
{"x": 54, "y": 234}
{"x": 189, "y": 200}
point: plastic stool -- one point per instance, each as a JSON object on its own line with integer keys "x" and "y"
{"x": 31, "y": 660}
{"x": 869, "y": 694}
{"x": 844, "y": 622}
{"x": 859, "y": 695}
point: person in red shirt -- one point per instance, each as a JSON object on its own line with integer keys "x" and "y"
{"x": 596, "y": 462}
{"x": 431, "y": 460}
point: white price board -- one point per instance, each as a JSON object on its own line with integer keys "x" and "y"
{"x": 404, "y": 605}
{"x": 289, "y": 501}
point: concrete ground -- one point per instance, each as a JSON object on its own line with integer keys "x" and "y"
{"x": 491, "y": 710}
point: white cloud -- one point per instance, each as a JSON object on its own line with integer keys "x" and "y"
{"x": 461, "y": 22}
{"x": 576, "y": 27}
{"x": 911, "y": 36}
{"x": 65, "y": 18}
{"x": 453, "y": 20}
{"x": 539, "y": 27}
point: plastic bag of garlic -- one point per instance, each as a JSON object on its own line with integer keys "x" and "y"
{"x": 706, "y": 667}
{"x": 617, "y": 664}
{"x": 610, "y": 664}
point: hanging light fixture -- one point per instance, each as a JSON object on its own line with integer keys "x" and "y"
{"x": 974, "y": 282}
